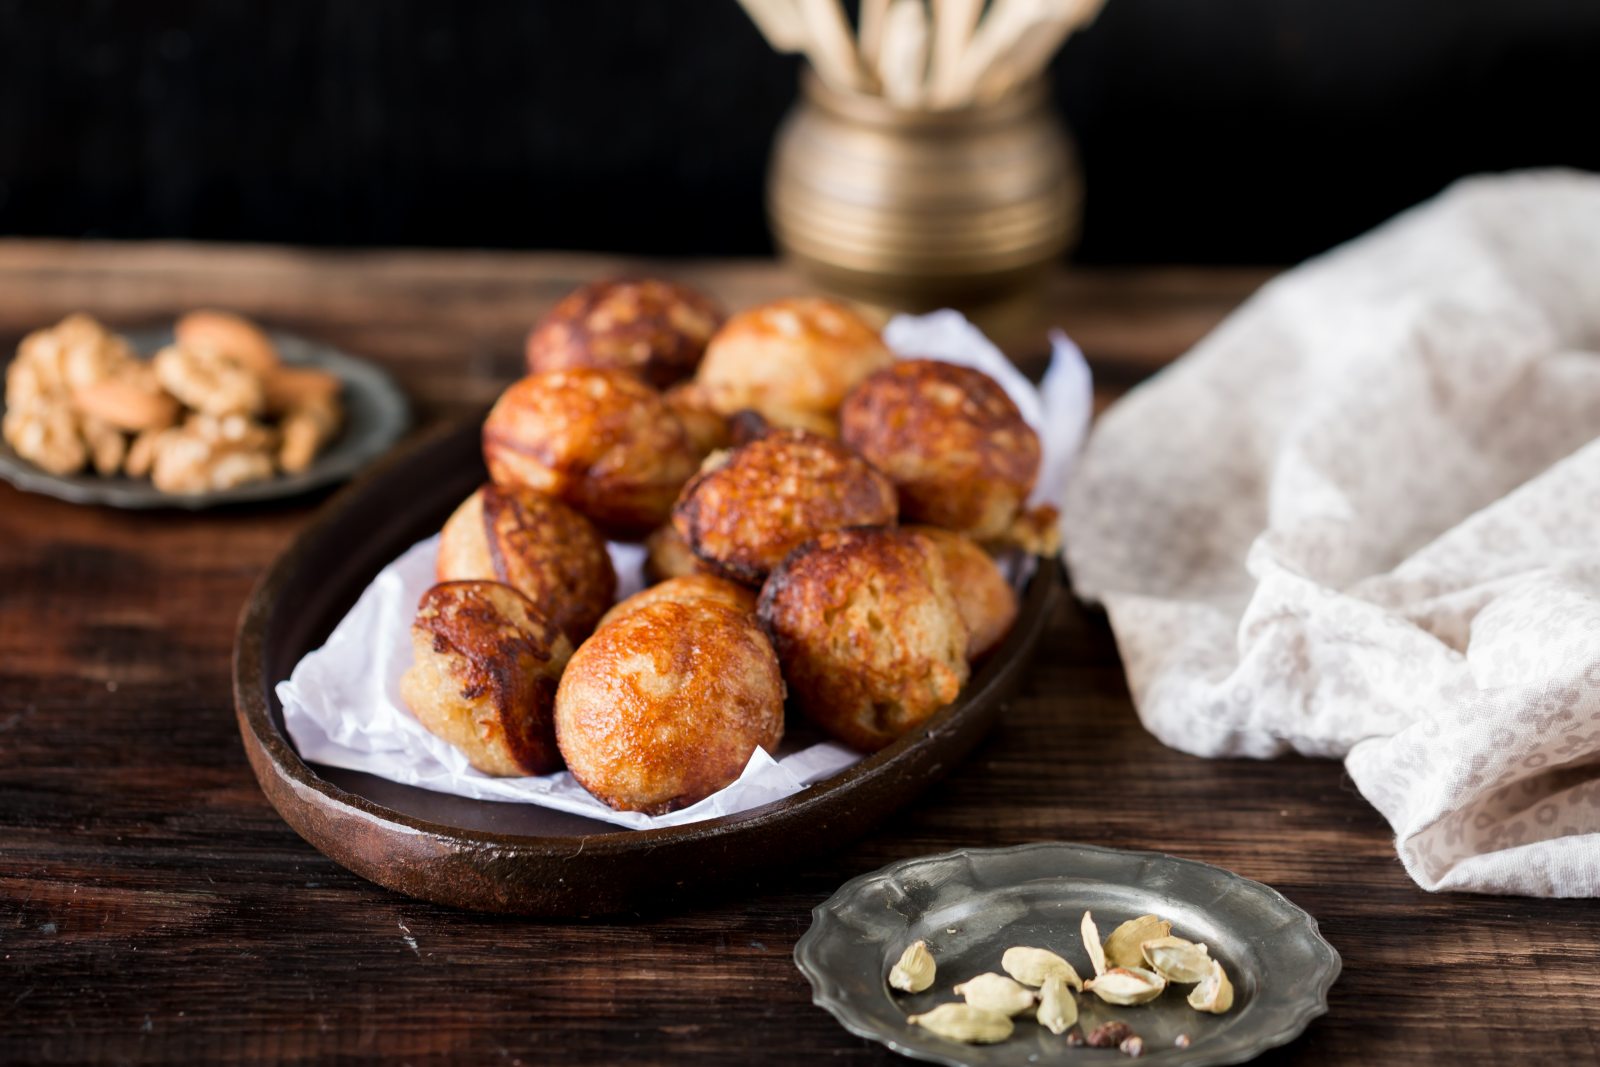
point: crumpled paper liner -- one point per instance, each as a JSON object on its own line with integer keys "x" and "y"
{"x": 342, "y": 707}
{"x": 1362, "y": 519}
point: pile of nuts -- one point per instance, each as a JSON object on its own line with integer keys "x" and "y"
{"x": 1134, "y": 965}
{"x": 213, "y": 410}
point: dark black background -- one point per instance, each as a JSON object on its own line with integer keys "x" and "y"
{"x": 1211, "y": 130}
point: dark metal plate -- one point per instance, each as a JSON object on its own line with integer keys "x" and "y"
{"x": 973, "y": 904}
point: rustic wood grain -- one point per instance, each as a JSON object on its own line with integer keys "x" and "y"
{"x": 154, "y": 909}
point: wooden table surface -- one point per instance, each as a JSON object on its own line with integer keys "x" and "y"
{"x": 154, "y": 909}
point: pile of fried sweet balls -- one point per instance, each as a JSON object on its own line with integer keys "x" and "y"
{"x": 818, "y": 517}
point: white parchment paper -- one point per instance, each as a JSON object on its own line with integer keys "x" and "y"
{"x": 342, "y": 705}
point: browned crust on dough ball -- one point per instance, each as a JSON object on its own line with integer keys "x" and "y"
{"x": 667, "y": 555}
{"x": 690, "y": 589}
{"x": 602, "y": 442}
{"x": 1036, "y": 529}
{"x": 648, "y": 326}
{"x": 485, "y": 674}
{"x": 664, "y": 706}
{"x": 956, "y": 447}
{"x": 792, "y": 360}
{"x": 538, "y": 546}
{"x": 987, "y": 601}
{"x": 748, "y": 508}
{"x": 869, "y": 634}
{"x": 745, "y": 426}
{"x": 707, "y": 428}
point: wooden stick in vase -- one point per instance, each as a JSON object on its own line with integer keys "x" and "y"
{"x": 830, "y": 46}
{"x": 1035, "y": 49}
{"x": 871, "y": 33}
{"x": 953, "y": 23}
{"x": 778, "y": 22}
{"x": 903, "y": 61}
{"x": 1082, "y": 12}
{"x": 1000, "y": 33}
{"x": 1031, "y": 55}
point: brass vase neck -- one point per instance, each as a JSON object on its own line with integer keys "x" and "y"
{"x": 866, "y": 110}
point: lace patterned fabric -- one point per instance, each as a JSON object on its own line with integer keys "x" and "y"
{"x": 1362, "y": 520}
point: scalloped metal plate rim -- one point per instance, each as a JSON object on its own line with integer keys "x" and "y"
{"x": 1272, "y": 1024}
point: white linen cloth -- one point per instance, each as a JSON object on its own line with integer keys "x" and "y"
{"x": 1361, "y": 519}
{"x": 342, "y": 706}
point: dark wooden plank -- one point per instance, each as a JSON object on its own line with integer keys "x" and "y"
{"x": 154, "y": 909}
{"x": 451, "y": 324}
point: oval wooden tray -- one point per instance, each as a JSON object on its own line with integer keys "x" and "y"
{"x": 522, "y": 858}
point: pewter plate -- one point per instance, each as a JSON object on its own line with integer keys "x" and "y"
{"x": 376, "y": 415}
{"x": 973, "y": 904}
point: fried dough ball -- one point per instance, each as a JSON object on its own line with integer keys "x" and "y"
{"x": 653, "y": 328}
{"x": 232, "y": 335}
{"x": 1037, "y": 530}
{"x": 746, "y": 426}
{"x": 951, "y": 440}
{"x": 987, "y": 601}
{"x": 868, "y": 631}
{"x": 602, "y": 442}
{"x": 792, "y": 360}
{"x": 747, "y": 508}
{"x": 664, "y": 705}
{"x": 538, "y": 546}
{"x": 688, "y": 590}
{"x": 668, "y": 556}
{"x": 708, "y": 429}
{"x": 485, "y": 675}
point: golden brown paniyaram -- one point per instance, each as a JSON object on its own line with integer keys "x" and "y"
{"x": 872, "y": 627}
{"x": 868, "y": 632}
{"x": 538, "y": 546}
{"x": 667, "y": 555}
{"x": 690, "y": 589}
{"x": 485, "y": 674}
{"x": 707, "y": 428}
{"x": 957, "y": 449}
{"x": 654, "y": 328}
{"x": 748, "y": 507}
{"x": 664, "y": 705}
{"x": 987, "y": 601}
{"x": 602, "y": 442}
{"x": 791, "y": 360}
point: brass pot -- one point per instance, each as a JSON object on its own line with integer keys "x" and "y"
{"x": 918, "y": 209}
